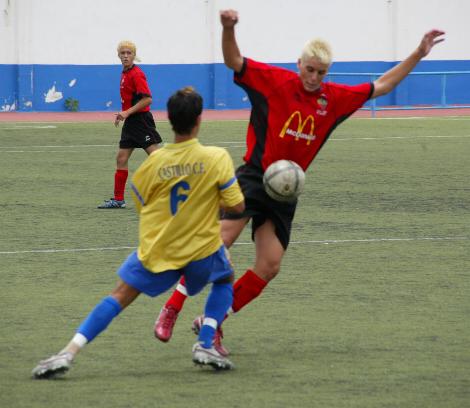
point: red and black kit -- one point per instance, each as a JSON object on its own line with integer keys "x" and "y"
{"x": 286, "y": 122}
{"x": 139, "y": 129}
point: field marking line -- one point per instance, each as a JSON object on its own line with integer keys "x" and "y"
{"x": 230, "y": 144}
{"x": 29, "y": 127}
{"x": 60, "y": 146}
{"x": 111, "y": 121}
{"x": 420, "y": 117}
{"x": 40, "y": 151}
{"x": 56, "y": 122}
{"x": 95, "y": 122}
{"x": 54, "y": 251}
{"x": 319, "y": 242}
{"x": 88, "y": 145}
{"x": 401, "y": 137}
{"x": 372, "y": 240}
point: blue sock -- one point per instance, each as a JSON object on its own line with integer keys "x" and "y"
{"x": 100, "y": 317}
{"x": 218, "y": 302}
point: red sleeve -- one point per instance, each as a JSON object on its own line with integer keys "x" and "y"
{"x": 141, "y": 85}
{"x": 261, "y": 77}
{"x": 350, "y": 98}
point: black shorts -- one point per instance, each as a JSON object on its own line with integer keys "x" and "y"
{"x": 139, "y": 131}
{"x": 260, "y": 207}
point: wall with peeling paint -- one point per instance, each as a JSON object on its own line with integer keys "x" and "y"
{"x": 58, "y": 49}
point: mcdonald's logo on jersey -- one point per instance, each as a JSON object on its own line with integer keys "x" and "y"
{"x": 308, "y": 124}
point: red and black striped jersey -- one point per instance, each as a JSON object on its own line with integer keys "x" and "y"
{"x": 134, "y": 87}
{"x": 286, "y": 121}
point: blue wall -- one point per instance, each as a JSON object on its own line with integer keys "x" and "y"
{"x": 8, "y": 84}
{"x": 98, "y": 85}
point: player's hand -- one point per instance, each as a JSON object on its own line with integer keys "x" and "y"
{"x": 120, "y": 116}
{"x": 429, "y": 40}
{"x": 228, "y": 18}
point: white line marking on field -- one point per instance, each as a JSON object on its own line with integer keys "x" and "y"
{"x": 372, "y": 240}
{"x": 420, "y": 117}
{"x": 231, "y": 144}
{"x": 10, "y": 123}
{"x": 40, "y": 151}
{"x": 400, "y": 137}
{"x": 55, "y": 251}
{"x": 57, "y": 146}
{"x": 57, "y": 122}
{"x": 318, "y": 242}
{"x": 29, "y": 127}
{"x": 111, "y": 120}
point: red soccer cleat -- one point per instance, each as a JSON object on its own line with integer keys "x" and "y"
{"x": 165, "y": 322}
{"x": 219, "y": 335}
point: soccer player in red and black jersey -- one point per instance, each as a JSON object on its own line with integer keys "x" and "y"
{"x": 292, "y": 116}
{"x": 139, "y": 128}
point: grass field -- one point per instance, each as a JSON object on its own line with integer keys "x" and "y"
{"x": 371, "y": 308}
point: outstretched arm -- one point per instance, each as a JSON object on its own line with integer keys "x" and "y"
{"x": 232, "y": 57}
{"x": 388, "y": 81}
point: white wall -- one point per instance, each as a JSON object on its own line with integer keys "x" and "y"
{"x": 8, "y": 43}
{"x": 418, "y": 16}
{"x": 188, "y": 31}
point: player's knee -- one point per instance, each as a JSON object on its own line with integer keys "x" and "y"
{"x": 268, "y": 271}
{"x": 121, "y": 162}
{"x": 124, "y": 294}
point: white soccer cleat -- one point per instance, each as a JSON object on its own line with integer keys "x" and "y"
{"x": 203, "y": 356}
{"x": 54, "y": 366}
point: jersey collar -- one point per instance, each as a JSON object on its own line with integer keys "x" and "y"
{"x": 182, "y": 145}
{"x": 130, "y": 69}
{"x": 307, "y": 93}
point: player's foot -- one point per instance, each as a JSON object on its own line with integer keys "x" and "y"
{"x": 219, "y": 335}
{"x": 54, "y": 366}
{"x": 203, "y": 356}
{"x": 165, "y": 322}
{"x": 112, "y": 203}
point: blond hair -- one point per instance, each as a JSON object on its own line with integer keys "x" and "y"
{"x": 131, "y": 46}
{"x": 127, "y": 44}
{"x": 319, "y": 49}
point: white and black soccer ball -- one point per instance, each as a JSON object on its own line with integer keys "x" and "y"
{"x": 284, "y": 180}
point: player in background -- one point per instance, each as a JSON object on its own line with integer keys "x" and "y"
{"x": 139, "y": 128}
{"x": 177, "y": 192}
{"x": 292, "y": 116}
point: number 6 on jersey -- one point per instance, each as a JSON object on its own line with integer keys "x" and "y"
{"x": 176, "y": 196}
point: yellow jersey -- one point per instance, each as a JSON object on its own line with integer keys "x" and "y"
{"x": 177, "y": 191}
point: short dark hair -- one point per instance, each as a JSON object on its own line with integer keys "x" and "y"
{"x": 184, "y": 107}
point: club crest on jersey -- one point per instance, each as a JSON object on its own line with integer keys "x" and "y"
{"x": 322, "y": 103}
{"x": 303, "y": 130}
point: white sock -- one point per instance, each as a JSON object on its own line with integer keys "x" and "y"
{"x": 75, "y": 345}
{"x": 208, "y": 321}
{"x": 80, "y": 340}
{"x": 182, "y": 289}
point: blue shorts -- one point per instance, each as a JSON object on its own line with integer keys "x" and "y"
{"x": 197, "y": 274}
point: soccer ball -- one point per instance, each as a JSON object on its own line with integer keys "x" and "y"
{"x": 284, "y": 180}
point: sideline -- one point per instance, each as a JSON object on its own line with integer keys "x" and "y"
{"x": 210, "y": 114}
{"x": 314, "y": 242}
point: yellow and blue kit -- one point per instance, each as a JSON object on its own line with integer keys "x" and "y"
{"x": 178, "y": 191}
